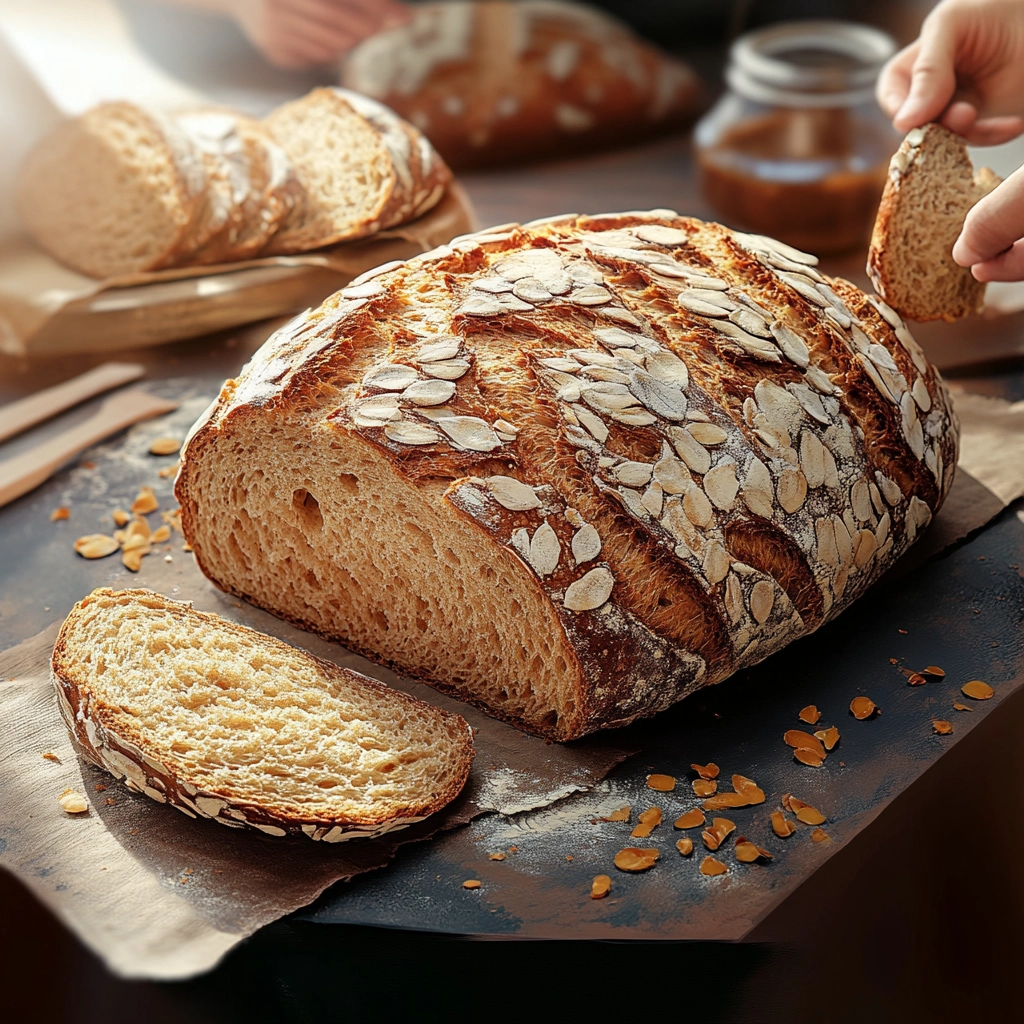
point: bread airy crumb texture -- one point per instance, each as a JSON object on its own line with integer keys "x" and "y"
{"x": 113, "y": 191}
{"x": 931, "y": 188}
{"x": 501, "y": 82}
{"x": 226, "y": 723}
{"x": 122, "y": 190}
{"x": 573, "y": 471}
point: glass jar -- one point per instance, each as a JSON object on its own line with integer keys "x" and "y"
{"x": 797, "y": 148}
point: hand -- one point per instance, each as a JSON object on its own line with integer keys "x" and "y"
{"x": 966, "y": 71}
{"x": 992, "y": 241}
{"x": 303, "y": 33}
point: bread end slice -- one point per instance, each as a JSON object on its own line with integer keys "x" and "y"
{"x": 931, "y": 187}
{"x": 225, "y": 723}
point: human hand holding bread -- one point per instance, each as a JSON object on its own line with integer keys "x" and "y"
{"x": 966, "y": 71}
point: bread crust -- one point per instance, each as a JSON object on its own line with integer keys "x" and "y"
{"x": 503, "y": 82}
{"x": 793, "y": 465}
{"x": 132, "y": 757}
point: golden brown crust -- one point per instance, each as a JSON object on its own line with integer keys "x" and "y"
{"x": 101, "y": 733}
{"x": 746, "y": 443}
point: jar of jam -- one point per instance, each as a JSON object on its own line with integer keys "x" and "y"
{"x": 797, "y": 148}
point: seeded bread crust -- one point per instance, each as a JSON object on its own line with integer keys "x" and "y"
{"x": 653, "y": 450}
{"x": 505, "y": 82}
{"x": 133, "y": 757}
{"x": 930, "y": 189}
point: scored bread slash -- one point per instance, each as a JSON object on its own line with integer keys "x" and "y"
{"x": 977, "y": 690}
{"x": 600, "y": 887}
{"x": 648, "y": 821}
{"x": 72, "y": 802}
{"x": 810, "y": 715}
{"x": 661, "y": 783}
{"x": 636, "y": 859}
{"x": 180, "y": 704}
{"x": 863, "y": 708}
{"x": 96, "y": 545}
{"x": 711, "y": 866}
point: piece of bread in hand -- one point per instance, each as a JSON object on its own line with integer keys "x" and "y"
{"x": 501, "y": 82}
{"x": 225, "y": 723}
{"x": 115, "y": 191}
{"x": 931, "y": 187}
{"x": 361, "y": 166}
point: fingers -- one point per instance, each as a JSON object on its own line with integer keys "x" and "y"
{"x": 994, "y": 131}
{"x": 1007, "y": 266}
{"x": 932, "y": 77}
{"x": 993, "y": 226}
{"x": 894, "y": 81}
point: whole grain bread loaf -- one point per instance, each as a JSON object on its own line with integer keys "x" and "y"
{"x": 508, "y": 81}
{"x": 225, "y": 723}
{"x": 573, "y": 471}
{"x": 931, "y": 188}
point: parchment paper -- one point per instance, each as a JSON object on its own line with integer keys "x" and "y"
{"x": 161, "y": 896}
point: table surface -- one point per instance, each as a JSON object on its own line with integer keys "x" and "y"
{"x": 939, "y": 859}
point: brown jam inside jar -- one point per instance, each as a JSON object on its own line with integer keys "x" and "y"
{"x": 797, "y": 149}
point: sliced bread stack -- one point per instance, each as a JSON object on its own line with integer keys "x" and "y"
{"x": 225, "y": 723}
{"x": 123, "y": 190}
{"x": 931, "y": 188}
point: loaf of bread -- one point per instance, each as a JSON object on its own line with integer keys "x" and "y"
{"x": 573, "y": 471}
{"x": 122, "y": 190}
{"x": 931, "y": 188}
{"x": 225, "y": 723}
{"x": 508, "y": 81}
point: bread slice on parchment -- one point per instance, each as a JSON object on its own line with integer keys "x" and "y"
{"x": 226, "y": 723}
{"x": 574, "y": 470}
{"x": 931, "y": 187}
{"x": 362, "y": 169}
{"x": 114, "y": 191}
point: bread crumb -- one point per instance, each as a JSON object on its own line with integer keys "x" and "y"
{"x": 60, "y": 513}
{"x": 51, "y": 756}
{"x": 72, "y": 802}
{"x": 472, "y": 883}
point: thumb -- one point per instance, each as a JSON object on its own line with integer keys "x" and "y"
{"x": 933, "y": 76}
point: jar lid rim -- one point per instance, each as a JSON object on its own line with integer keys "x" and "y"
{"x": 756, "y": 63}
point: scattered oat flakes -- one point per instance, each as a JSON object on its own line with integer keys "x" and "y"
{"x": 977, "y": 689}
{"x": 934, "y": 670}
{"x": 160, "y": 534}
{"x": 781, "y": 825}
{"x": 747, "y": 792}
{"x": 646, "y": 823}
{"x": 600, "y": 887}
{"x": 633, "y": 859}
{"x": 704, "y": 787}
{"x": 862, "y": 708}
{"x": 819, "y": 835}
{"x": 803, "y": 740}
{"x": 685, "y": 846}
{"x": 72, "y": 802}
{"x": 568, "y": 857}
{"x": 942, "y": 727}
{"x": 829, "y": 737}
{"x": 715, "y": 835}
{"x": 661, "y": 783}
{"x": 691, "y": 819}
{"x": 748, "y": 852}
{"x": 145, "y": 502}
{"x": 805, "y": 812}
{"x": 916, "y": 679}
{"x": 706, "y": 771}
{"x": 60, "y": 513}
{"x": 168, "y": 470}
{"x": 495, "y": 856}
{"x": 957, "y": 706}
{"x": 132, "y": 558}
{"x": 96, "y": 545}
{"x": 810, "y": 715}
{"x": 472, "y": 883}
{"x": 622, "y": 814}
{"x": 811, "y": 758}
{"x": 165, "y": 446}
{"x": 172, "y": 518}
{"x": 51, "y": 756}
{"x": 710, "y": 866}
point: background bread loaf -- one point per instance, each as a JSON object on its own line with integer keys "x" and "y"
{"x": 225, "y": 723}
{"x": 573, "y": 471}
{"x": 506, "y": 81}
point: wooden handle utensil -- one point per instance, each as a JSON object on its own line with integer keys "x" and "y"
{"x": 24, "y": 472}
{"x": 27, "y": 412}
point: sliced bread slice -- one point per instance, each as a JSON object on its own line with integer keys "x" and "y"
{"x": 362, "y": 168}
{"x": 225, "y": 723}
{"x": 931, "y": 187}
{"x": 112, "y": 192}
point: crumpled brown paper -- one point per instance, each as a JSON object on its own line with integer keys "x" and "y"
{"x": 161, "y": 896}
